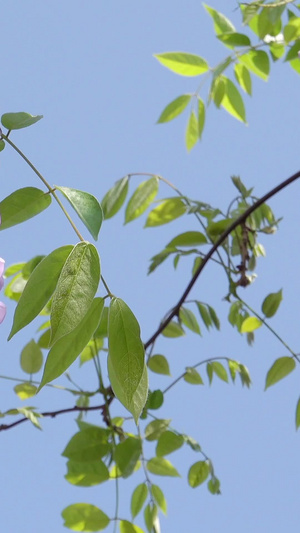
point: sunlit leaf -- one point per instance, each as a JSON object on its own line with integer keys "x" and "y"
{"x": 115, "y": 198}
{"x": 84, "y": 517}
{"x": 251, "y": 323}
{"x": 243, "y": 77}
{"x": 22, "y": 205}
{"x": 126, "y": 455}
{"x": 88, "y": 445}
{"x": 191, "y": 134}
{"x": 233, "y": 102}
{"x": 174, "y": 108}
{"x": 201, "y": 117}
{"x": 159, "y": 497}
{"x": 258, "y": 62}
{"x": 168, "y": 442}
{"x": 138, "y": 499}
{"x": 165, "y": 212}
{"x": 232, "y": 39}
{"x": 154, "y": 429}
{"x": 159, "y": 364}
{"x": 128, "y": 527}
{"x": 86, "y": 474}
{"x": 141, "y": 199}
{"x": 192, "y": 376}
{"x": 161, "y": 467}
{"x": 188, "y": 318}
{"x": 188, "y": 238}
{"x": 25, "y": 390}
{"x": 279, "y": 370}
{"x": 183, "y": 63}
{"x": 221, "y": 23}
{"x": 87, "y": 208}
{"x": 198, "y": 473}
{"x": 173, "y": 330}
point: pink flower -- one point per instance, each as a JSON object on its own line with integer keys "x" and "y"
{"x": 2, "y": 305}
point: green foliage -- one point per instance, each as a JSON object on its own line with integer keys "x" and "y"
{"x": 141, "y": 199}
{"x": 198, "y": 473}
{"x": 279, "y": 370}
{"x": 21, "y": 205}
{"x": 87, "y": 208}
{"x": 182, "y": 63}
{"x": 16, "y": 121}
{"x": 84, "y": 517}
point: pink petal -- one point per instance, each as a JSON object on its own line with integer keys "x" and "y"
{"x": 1, "y": 282}
{"x": 2, "y": 311}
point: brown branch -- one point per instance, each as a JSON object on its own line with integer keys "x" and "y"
{"x": 240, "y": 220}
{"x": 53, "y": 414}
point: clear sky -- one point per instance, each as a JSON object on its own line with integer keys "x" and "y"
{"x": 88, "y": 67}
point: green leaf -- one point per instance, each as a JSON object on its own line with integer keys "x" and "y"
{"x": 188, "y": 238}
{"x": 271, "y": 303}
{"x": 154, "y": 429}
{"x": 243, "y": 77}
{"x": 219, "y": 370}
{"x": 16, "y": 121}
{"x": 232, "y": 39}
{"x": 64, "y": 352}
{"x": 159, "y": 364}
{"x": 25, "y": 390}
{"x": 75, "y": 290}
{"x": 127, "y": 370}
{"x": 127, "y": 454}
{"x": 281, "y": 368}
{"x": 168, "y": 442}
{"x": 141, "y": 199}
{"x": 31, "y": 358}
{"x": 291, "y": 31}
{"x": 115, "y": 198}
{"x": 258, "y": 62}
{"x": 159, "y": 497}
{"x": 173, "y": 330}
{"x": 165, "y": 212}
{"x": 150, "y": 516}
{"x": 87, "y": 208}
{"x": 233, "y": 102}
{"x": 251, "y": 323}
{"x": 21, "y": 205}
{"x": 198, "y": 473}
{"x": 189, "y": 320}
{"x": 138, "y": 499}
{"x": 293, "y": 52}
{"x": 2, "y": 145}
{"x": 214, "y": 317}
{"x": 161, "y": 467}
{"x": 128, "y": 527}
{"x": 191, "y": 134}
{"x": 214, "y": 486}
{"x": 215, "y": 229}
{"x": 205, "y": 315}
{"x": 249, "y": 12}
{"x": 39, "y": 288}
{"x": 221, "y": 23}
{"x": 201, "y": 116}
{"x": 86, "y": 474}
{"x": 174, "y": 108}
{"x": 183, "y": 63}
{"x": 192, "y": 376}
{"x": 298, "y": 414}
{"x": 88, "y": 445}
{"x": 217, "y": 91}
{"x": 192, "y": 443}
{"x": 155, "y": 399}
{"x": 84, "y": 517}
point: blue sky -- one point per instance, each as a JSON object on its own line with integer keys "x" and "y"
{"x": 89, "y": 69}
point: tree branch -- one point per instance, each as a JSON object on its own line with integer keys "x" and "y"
{"x": 241, "y": 219}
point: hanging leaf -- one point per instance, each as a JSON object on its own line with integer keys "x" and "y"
{"x": 84, "y": 517}
{"x": 173, "y": 330}
{"x": 165, "y": 212}
{"x": 127, "y": 454}
{"x": 191, "y": 134}
{"x": 243, "y": 78}
{"x": 87, "y": 474}
{"x": 201, "y": 116}
{"x": 298, "y": 414}
{"x": 115, "y": 198}
{"x": 161, "y": 467}
{"x": 232, "y": 39}
{"x": 279, "y": 370}
{"x": 192, "y": 376}
{"x": 183, "y": 63}
{"x": 251, "y": 323}
{"x": 138, "y": 499}
{"x": 221, "y": 23}
{"x": 159, "y": 497}
{"x": 141, "y": 199}
{"x": 188, "y": 238}
{"x": 154, "y": 429}
{"x": 87, "y": 208}
{"x": 39, "y": 288}
{"x": 16, "y": 121}
{"x": 258, "y": 62}
{"x": 25, "y": 390}
{"x": 174, "y": 108}
{"x": 31, "y": 358}
{"x": 168, "y": 442}
{"x": 271, "y": 303}
{"x": 159, "y": 365}
{"x": 88, "y": 445}
{"x": 22, "y": 205}
{"x": 68, "y": 347}
{"x": 198, "y": 473}
{"x": 75, "y": 290}
{"x": 128, "y": 527}
{"x": 188, "y": 318}
{"x": 233, "y": 102}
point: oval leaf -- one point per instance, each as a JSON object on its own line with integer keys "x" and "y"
{"x": 64, "y": 352}
{"x": 174, "y": 108}
{"x": 138, "y": 499}
{"x": 75, "y": 290}
{"x": 165, "y": 212}
{"x": 159, "y": 364}
{"x": 298, "y": 414}
{"x": 281, "y": 368}
{"x": 31, "y": 358}
{"x": 250, "y": 324}
{"x": 21, "y": 205}
{"x": 173, "y": 330}
{"x": 258, "y": 62}
{"x": 192, "y": 132}
{"x": 115, "y": 198}
{"x": 141, "y": 199}
{"x": 39, "y": 288}
{"x": 271, "y": 303}
{"x": 192, "y": 376}
{"x": 88, "y": 445}
{"x": 198, "y": 473}
{"x": 87, "y": 474}
{"x": 16, "y": 121}
{"x": 87, "y": 208}
{"x": 84, "y": 517}
{"x": 233, "y": 102}
{"x": 25, "y": 390}
{"x": 161, "y": 467}
{"x": 183, "y": 63}
{"x": 159, "y": 497}
{"x": 128, "y": 527}
{"x": 168, "y": 442}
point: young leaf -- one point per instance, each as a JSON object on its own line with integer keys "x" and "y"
{"x": 127, "y": 454}
{"x": 154, "y": 429}
{"x": 188, "y": 318}
{"x": 233, "y": 102}
{"x": 127, "y": 370}
{"x": 281, "y": 368}
{"x": 16, "y": 121}
{"x": 138, "y": 499}
{"x": 188, "y": 238}
{"x": 243, "y": 77}
{"x": 84, "y": 517}
{"x": 128, "y": 527}
{"x": 205, "y": 315}
{"x": 183, "y": 63}
{"x": 232, "y": 39}
{"x": 201, "y": 117}
{"x": 88, "y": 445}
{"x": 214, "y": 485}
{"x": 86, "y": 474}
{"x": 159, "y": 364}
{"x": 221, "y": 23}
{"x": 291, "y": 31}
{"x": 87, "y": 208}
{"x": 150, "y": 515}
{"x": 271, "y": 303}
{"x": 251, "y": 323}
{"x": 39, "y": 288}
{"x": 192, "y": 376}
{"x": 165, "y": 212}
{"x": 155, "y": 399}
{"x": 64, "y": 352}
{"x": 159, "y": 497}
{"x": 25, "y": 390}
{"x": 168, "y": 442}
{"x": 31, "y": 358}
{"x": 258, "y": 62}
{"x": 174, "y": 108}
{"x": 141, "y": 199}
{"x": 219, "y": 370}
{"x": 21, "y": 205}
{"x": 191, "y": 134}
{"x": 75, "y": 290}
{"x": 173, "y": 330}
{"x": 115, "y": 198}
{"x": 198, "y": 473}
{"x": 161, "y": 467}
